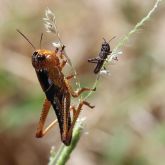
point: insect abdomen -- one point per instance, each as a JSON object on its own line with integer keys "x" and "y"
{"x": 98, "y": 66}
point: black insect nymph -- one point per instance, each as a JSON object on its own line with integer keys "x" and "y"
{"x": 99, "y": 61}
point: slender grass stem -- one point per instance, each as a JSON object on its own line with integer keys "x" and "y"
{"x": 64, "y": 152}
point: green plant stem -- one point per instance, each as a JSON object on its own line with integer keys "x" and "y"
{"x": 125, "y": 39}
{"x": 64, "y": 152}
{"x": 136, "y": 27}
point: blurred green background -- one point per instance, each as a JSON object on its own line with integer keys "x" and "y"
{"x": 127, "y": 126}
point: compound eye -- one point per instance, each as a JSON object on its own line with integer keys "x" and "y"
{"x": 41, "y": 57}
{"x": 103, "y": 44}
{"x": 107, "y": 47}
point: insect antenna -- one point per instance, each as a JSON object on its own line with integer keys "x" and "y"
{"x": 104, "y": 39}
{"x": 41, "y": 39}
{"x": 26, "y": 38}
{"x": 111, "y": 39}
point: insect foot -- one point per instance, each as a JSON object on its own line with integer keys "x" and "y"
{"x": 94, "y": 89}
{"x": 39, "y": 134}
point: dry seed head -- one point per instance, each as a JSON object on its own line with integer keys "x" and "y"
{"x": 50, "y": 21}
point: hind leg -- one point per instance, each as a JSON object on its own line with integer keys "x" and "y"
{"x": 40, "y": 129}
